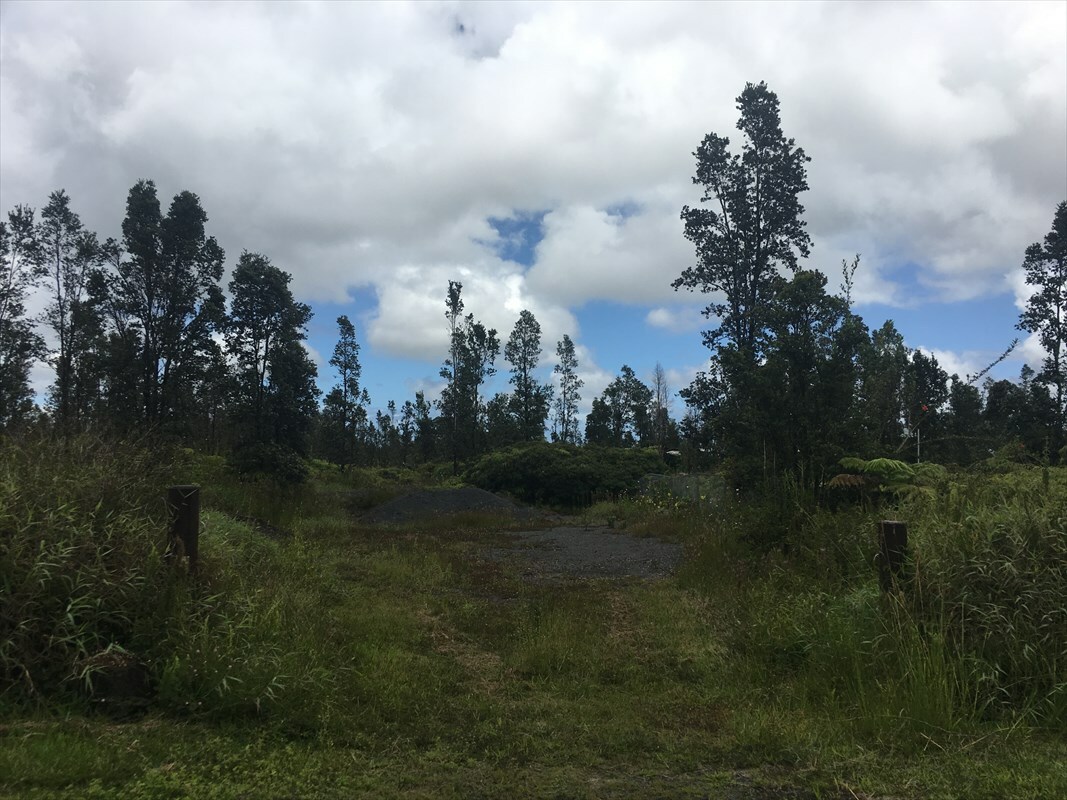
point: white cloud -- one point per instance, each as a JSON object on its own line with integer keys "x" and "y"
{"x": 365, "y": 145}
{"x": 962, "y": 364}
{"x": 678, "y": 320}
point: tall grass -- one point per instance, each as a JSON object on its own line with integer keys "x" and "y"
{"x": 82, "y": 526}
{"x": 978, "y": 634}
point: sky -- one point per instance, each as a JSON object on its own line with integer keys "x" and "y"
{"x": 541, "y": 153}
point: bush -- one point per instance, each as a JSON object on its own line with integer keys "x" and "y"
{"x": 82, "y": 525}
{"x": 561, "y": 474}
{"x": 273, "y": 461}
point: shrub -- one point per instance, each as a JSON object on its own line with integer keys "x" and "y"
{"x": 82, "y": 525}
{"x": 561, "y": 474}
{"x": 274, "y": 461}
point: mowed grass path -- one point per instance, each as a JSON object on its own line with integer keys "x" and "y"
{"x": 453, "y": 677}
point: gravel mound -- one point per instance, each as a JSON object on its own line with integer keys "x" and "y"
{"x": 441, "y": 503}
{"x": 588, "y": 553}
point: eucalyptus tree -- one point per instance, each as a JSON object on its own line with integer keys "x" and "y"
{"x": 566, "y": 414}
{"x": 21, "y": 270}
{"x": 343, "y": 400}
{"x": 264, "y": 335}
{"x": 72, "y": 255}
{"x": 747, "y": 231}
{"x": 530, "y": 401}
{"x": 749, "y": 224}
{"x": 1045, "y": 314}
{"x": 169, "y": 286}
{"x": 620, "y": 417}
{"x": 473, "y": 350}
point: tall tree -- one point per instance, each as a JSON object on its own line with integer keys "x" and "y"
{"x": 21, "y": 269}
{"x": 661, "y": 411}
{"x": 620, "y": 416}
{"x": 169, "y": 287}
{"x": 72, "y": 254}
{"x": 345, "y": 360}
{"x": 751, "y": 224}
{"x": 566, "y": 417}
{"x": 264, "y": 331}
{"x": 748, "y": 229}
{"x": 530, "y": 401}
{"x": 883, "y": 364}
{"x": 472, "y": 355}
{"x": 1046, "y": 310}
{"x": 450, "y": 372}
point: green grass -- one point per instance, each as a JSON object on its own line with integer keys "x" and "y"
{"x": 339, "y": 661}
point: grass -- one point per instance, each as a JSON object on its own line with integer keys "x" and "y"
{"x": 338, "y": 661}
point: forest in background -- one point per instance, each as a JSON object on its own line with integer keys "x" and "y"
{"x": 142, "y": 338}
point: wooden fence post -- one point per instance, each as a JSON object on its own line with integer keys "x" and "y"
{"x": 184, "y": 504}
{"x": 892, "y": 553}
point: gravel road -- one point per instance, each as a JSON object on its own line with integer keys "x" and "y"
{"x": 595, "y": 552}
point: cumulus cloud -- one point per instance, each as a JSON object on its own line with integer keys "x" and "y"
{"x": 366, "y": 146}
{"x": 678, "y": 320}
{"x": 962, "y": 364}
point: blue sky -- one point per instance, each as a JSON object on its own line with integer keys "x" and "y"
{"x": 540, "y": 153}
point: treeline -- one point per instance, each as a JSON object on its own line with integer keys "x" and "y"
{"x": 142, "y": 339}
{"x": 796, "y": 379}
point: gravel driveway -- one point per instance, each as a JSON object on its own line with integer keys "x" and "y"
{"x": 596, "y": 552}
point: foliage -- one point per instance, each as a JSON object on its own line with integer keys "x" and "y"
{"x": 267, "y": 460}
{"x": 530, "y": 402}
{"x": 275, "y": 376}
{"x": 562, "y": 475}
{"x": 751, "y": 223}
{"x": 82, "y": 526}
{"x": 565, "y": 420}
{"x": 1045, "y": 314}
{"x": 889, "y": 475}
{"x": 622, "y": 415}
{"x": 21, "y": 269}
{"x": 472, "y": 356}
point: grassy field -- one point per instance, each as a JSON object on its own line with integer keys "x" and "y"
{"x": 315, "y": 658}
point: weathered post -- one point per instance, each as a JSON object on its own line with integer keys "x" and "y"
{"x": 184, "y": 505}
{"x": 892, "y": 553}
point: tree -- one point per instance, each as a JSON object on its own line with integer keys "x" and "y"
{"x": 72, "y": 254}
{"x": 807, "y": 383}
{"x": 472, "y": 354}
{"x": 344, "y": 398}
{"x": 1046, "y": 310}
{"x": 964, "y": 423}
{"x": 747, "y": 230}
{"x": 531, "y": 399}
{"x": 264, "y": 332}
{"x": 753, "y": 223}
{"x": 450, "y": 372}
{"x": 169, "y": 288}
{"x": 883, "y": 363}
{"x": 925, "y": 392}
{"x": 620, "y": 416}
{"x": 566, "y": 417}
{"x": 663, "y": 427}
{"x": 21, "y": 269}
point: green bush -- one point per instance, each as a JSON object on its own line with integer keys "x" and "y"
{"x": 274, "y": 461}
{"x": 561, "y": 474}
{"x": 82, "y": 526}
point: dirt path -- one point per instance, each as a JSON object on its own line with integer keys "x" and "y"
{"x": 559, "y": 552}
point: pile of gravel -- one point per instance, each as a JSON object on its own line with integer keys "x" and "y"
{"x": 588, "y": 553}
{"x": 442, "y": 503}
